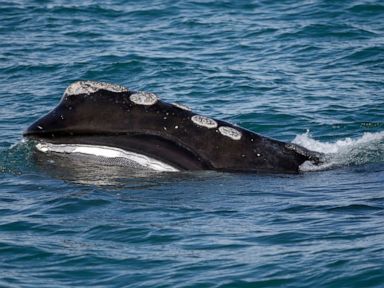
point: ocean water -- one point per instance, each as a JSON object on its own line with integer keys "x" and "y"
{"x": 308, "y": 72}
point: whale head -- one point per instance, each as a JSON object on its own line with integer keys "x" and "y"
{"x": 100, "y": 114}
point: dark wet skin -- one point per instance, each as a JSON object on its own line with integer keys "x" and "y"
{"x": 165, "y": 132}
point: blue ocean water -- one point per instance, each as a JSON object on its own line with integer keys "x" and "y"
{"x": 311, "y": 72}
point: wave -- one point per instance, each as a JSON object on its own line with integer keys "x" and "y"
{"x": 369, "y": 148}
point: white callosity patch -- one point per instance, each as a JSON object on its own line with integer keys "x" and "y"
{"x": 143, "y": 98}
{"x": 182, "y": 106}
{"x": 107, "y": 152}
{"x": 230, "y": 132}
{"x": 89, "y": 87}
{"x": 204, "y": 121}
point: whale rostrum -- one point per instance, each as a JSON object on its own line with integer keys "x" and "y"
{"x": 135, "y": 123}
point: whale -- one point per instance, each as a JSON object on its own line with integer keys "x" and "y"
{"x": 111, "y": 121}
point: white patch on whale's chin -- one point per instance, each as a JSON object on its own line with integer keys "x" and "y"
{"x": 106, "y": 152}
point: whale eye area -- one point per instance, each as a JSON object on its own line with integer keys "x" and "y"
{"x": 204, "y": 121}
{"x": 143, "y": 98}
{"x": 89, "y": 87}
{"x": 230, "y": 132}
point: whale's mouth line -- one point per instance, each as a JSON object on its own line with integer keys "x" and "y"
{"x": 153, "y": 148}
{"x": 106, "y": 152}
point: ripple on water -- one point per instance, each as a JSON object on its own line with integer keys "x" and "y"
{"x": 277, "y": 68}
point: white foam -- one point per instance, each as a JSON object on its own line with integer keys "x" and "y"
{"x": 89, "y": 87}
{"x": 106, "y": 152}
{"x": 343, "y": 152}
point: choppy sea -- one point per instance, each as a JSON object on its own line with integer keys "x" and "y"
{"x": 309, "y": 72}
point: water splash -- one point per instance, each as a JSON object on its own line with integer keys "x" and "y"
{"x": 369, "y": 148}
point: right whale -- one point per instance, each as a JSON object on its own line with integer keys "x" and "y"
{"x": 96, "y": 116}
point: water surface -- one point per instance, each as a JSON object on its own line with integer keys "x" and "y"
{"x": 310, "y": 72}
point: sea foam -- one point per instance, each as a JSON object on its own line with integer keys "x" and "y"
{"x": 368, "y": 148}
